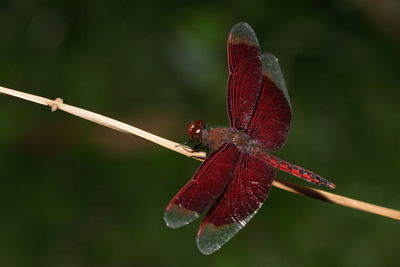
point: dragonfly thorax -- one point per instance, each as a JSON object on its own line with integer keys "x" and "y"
{"x": 216, "y": 137}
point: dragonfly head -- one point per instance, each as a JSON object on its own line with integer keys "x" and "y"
{"x": 195, "y": 130}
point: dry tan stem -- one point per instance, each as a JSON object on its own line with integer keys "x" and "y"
{"x": 105, "y": 121}
{"x": 125, "y": 128}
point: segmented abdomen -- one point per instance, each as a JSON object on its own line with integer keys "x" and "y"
{"x": 288, "y": 167}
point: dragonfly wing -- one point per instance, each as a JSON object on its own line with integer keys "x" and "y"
{"x": 246, "y": 191}
{"x": 245, "y": 72}
{"x": 270, "y": 122}
{"x": 203, "y": 189}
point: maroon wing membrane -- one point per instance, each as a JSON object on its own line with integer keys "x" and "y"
{"x": 203, "y": 189}
{"x": 245, "y": 72}
{"x": 246, "y": 191}
{"x": 272, "y": 115}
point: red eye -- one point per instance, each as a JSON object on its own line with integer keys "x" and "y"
{"x": 195, "y": 130}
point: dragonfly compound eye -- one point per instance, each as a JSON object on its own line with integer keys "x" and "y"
{"x": 195, "y": 130}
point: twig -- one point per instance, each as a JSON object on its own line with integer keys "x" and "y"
{"x": 337, "y": 199}
{"x": 105, "y": 121}
{"x": 125, "y": 128}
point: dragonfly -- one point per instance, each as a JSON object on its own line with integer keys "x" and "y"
{"x": 233, "y": 182}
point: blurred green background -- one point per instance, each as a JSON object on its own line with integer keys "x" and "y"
{"x": 74, "y": 193}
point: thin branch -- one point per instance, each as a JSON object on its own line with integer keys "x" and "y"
{"x": 105, "y": 121}
{"x": 337, "y": 199}
{"x": 125, "y": 128}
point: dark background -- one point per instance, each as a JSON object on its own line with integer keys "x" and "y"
{"x": 73, "y": 193}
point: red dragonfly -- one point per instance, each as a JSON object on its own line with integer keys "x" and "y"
{"x": 234, "y": 180}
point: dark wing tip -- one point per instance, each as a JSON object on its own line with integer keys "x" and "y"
{"x": 176, "y": 216}
{"x": 243, "y": 33}
{"x": 242, "y": 24}
{"x": 210, "y": 238}
{"x": 272, "y": 70}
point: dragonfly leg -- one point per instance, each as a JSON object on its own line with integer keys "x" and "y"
{"x": 191, "y": 146}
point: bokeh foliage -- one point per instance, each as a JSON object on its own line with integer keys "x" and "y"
{"x": 76, "y": 194}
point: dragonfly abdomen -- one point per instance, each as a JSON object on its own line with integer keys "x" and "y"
{"x": 288, "y": 167}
